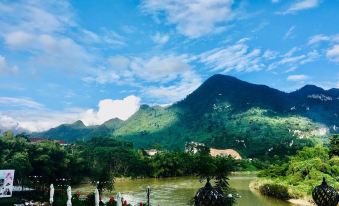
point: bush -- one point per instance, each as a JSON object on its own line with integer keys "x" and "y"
{"x": 275, "y": 190}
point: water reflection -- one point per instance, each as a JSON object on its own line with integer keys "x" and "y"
{"x": 179, "y": 191}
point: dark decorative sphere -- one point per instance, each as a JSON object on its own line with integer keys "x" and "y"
{"x": 208, "y": 196}
{"x": 325, "y": 195}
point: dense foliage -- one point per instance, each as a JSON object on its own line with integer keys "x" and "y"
{"x": 99, "y": 160}
{"x": 275, "y": 190}
{"x": 305, "y": 170}
{"x": 334, "y": 145}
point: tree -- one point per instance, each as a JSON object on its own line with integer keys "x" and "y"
{"x": 217, "y": 169}
{"x": 103, "y": 179}
{"x": 20, "y": 162}
{"x": 334, "y": 145}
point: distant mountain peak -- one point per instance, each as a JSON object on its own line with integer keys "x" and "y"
{"x": 78, "y": 123}
{"x": 113, "y": 123}
{"x": 221, "y": 77}
{"x": 309, "y": 88}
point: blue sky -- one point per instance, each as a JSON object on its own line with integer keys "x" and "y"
{"x": 94, "y": 60}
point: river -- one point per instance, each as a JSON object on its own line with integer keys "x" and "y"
{"x": 178, "y": 191}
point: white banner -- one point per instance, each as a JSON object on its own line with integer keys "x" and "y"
{"x": 6, "y": 183}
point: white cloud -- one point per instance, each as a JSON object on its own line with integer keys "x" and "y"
{"x": 297, "y": 77}
{"x": 18, "y": 39}
{"x": 293, "y": 61}
{"x": 41, "y": 30}
{"x": 50, "y": 49}
{"x": 36, "y": 120}
{"x": 300, "y": 5}
{"x": 19, "y": 102}
{"x": 34, "y": 117}
{"x": 160, "y": 38}
{"x": 113, "y": 38}
{"x": 323, "y": 38}
{"x": 36, "y": 16}
{"x": 175, "y": 92}
{"x": 289, "y": 33}
{"x": 270, "y": 54}
{"x": 159, "y": 69}
{"x": 318, "y": 38}
{"x": 163, "y": 79}
{"x": 8, "y": 123}
{"x": 333, "y": 53}
{"x": 238, "y": 57}
{"x": 5, "y": 69}
{"x": 109, "y": 109}
{"x": 193, "y": 18}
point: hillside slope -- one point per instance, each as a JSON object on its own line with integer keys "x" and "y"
{"x": 79, "y": 131}
{"x": 227, "y": 112}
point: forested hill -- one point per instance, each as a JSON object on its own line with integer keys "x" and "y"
{"x": 225, "y": 112}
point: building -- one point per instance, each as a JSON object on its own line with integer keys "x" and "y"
{"x": 151, "y": 152}
{"x": 225, "y": 153}
{"x": 34, "y": 140}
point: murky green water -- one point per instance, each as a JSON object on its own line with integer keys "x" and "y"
{"x": 178, "y": 191}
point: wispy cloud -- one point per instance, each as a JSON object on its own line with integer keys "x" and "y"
{"x": 152, "y": 76}
{"x": 193, "y": 18}
{"x": 332, "y": 41}
{"x": 19, "y": 102}
{"x": 36, "y": 16}
{"x": 318, "y": 38}
{"x": 289, "y": 33}
{"x": 5, "y": 68}
{"x": 323, "y": 38}
{"x": 297, "y": 77}
{"x": 168, "y": 94}
{"x": 238, "y": 57}
{"x": 292, "y": 60}
{"x": 300, "y": 5}
{"x": 333, "y": 53}
{"x": 160, "y": 38}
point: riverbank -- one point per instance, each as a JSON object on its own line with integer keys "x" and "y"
{"x": 295, "y": 198}
{"x": 180, "y": 190}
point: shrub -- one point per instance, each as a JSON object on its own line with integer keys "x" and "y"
{"x": 275, "y": 190}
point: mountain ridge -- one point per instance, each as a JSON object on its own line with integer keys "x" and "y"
{"x": 226, "y": 112}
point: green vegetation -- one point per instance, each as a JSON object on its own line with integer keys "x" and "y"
{"x": 224, "y": 112}
{"x": 100, "y": 160}
{"x": 275, "y": 190}
{"x": 302, "y": 172}
{"x": 334, "y": 145}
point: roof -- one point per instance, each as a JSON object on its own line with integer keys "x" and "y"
{"x": 37, "y": 139}
{"x": 151, "y": 152}
{"x": 225, "y": 152}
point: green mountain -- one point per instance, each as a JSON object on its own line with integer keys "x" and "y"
{"x": 226, "y": 112}
{"x": 78, "y": 131}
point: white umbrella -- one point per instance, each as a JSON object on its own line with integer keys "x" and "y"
{"x": 69, "y": 196}
{"x": 119, "y": 197}
{"x": 51, "y": 194}
{"x": 96, "y": 197}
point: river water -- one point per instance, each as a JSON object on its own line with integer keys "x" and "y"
{"x": 179, "y": 191}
